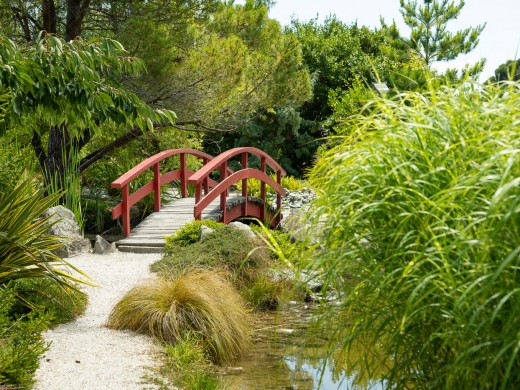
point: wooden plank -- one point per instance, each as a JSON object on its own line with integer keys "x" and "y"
{"x": 150, "y": 233}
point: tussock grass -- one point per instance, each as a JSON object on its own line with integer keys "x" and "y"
{"x": 422, "y": 207}
{"x": 196, "y": 301}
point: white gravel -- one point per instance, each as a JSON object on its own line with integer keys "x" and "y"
{"x": 84, "y": 354}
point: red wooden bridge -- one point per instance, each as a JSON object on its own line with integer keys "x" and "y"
{"x": 212, "y": 198}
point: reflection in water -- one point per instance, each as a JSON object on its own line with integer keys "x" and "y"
{"x": 290, "y": 354}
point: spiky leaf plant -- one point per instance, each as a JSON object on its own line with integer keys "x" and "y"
{"x": 26, "y": 250}
{"x": 421, "y": 207}
{"x": 196, "y": 301}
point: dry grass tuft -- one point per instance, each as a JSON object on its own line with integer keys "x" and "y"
{"x": 197, "y": 301}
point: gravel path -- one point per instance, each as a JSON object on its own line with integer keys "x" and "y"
{"x": 84, "y": 354}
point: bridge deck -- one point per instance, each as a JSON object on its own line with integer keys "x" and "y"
{"x": 148, "y": 236}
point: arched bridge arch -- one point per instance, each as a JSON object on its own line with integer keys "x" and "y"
{"x": 207, "y": 190}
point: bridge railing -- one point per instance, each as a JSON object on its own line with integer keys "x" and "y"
{"x": 226, "y": 180}
{"x": 182, "y": 174}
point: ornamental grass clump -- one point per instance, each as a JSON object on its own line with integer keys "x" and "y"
{"x": 196, "y": 302}
{"x": 421, "y": 206}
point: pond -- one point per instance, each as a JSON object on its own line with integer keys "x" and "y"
{"x": 289, "y": 353}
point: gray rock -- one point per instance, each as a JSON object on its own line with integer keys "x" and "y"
{"x": 205, "y": 231}
{"x": 63, "y": 224}
{"x": 242, "y": 226}
{"x": 311, "y": 280}
{"x": 103, "y": 247}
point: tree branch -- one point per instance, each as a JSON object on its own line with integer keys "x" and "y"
{"x": 117, "y": 143}
{"x": 202, "y": 127}
{"x": 136, "y": 133}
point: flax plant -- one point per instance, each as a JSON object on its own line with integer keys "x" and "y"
{"x": 421, "y": 204}
{"x": 26, "y": 250}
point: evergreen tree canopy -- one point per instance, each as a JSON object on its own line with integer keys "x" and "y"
{"x": 430, "y": 38}
{"x": 510, "y": 70}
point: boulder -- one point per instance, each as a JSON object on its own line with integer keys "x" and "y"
{"x": 103, "y": 247}
{"x": 242, "y": 226}
{"x": 205, "y": 231}
{"x": 63, "y": 224}
{"x": 296, "y": 226}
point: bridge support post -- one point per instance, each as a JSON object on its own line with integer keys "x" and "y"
{"x": 183, "y": 175}
{"x": 263, "y": 168}
{"x": 125, "y": 214}
{"x": 198, "y": 197}
{"x": 244, "y": 184}
{"x": 156, "y": 187}
{"x": 223, "y": 196}
{"x": 206, "y": 179}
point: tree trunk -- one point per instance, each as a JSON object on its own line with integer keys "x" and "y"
{"x": 49, "y": 16}
{"x": 57, "y": 162}
{"x": 76, "y": 10}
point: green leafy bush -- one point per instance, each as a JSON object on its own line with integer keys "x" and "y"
{"x": 195, "y": 301}
{"x": 20, "y": 341}
{"x": 421, "y": 211}
{"x": 188, "y": 234}
{"x": 280, "y": 132}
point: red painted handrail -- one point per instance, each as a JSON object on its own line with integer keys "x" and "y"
{"x": 202, "y": 175}
{"x": 128, "y": 200}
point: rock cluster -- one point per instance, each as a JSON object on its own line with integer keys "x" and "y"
{"x": 62, "y": 222}
{"x": 294, "y": 200}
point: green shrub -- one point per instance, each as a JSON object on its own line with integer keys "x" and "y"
{"x": 64, "y": 304}
{"x": 196, "y": 301}
{"x": 421, "y": 212}
{"x": 247, "y": 262}
{"x": 186, "y": 365}
{"x": 20, "y": 341}
{"x": 188, "y": 234}
{"x": 244, "y": 259}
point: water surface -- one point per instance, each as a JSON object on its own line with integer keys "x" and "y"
{"x": 290, "y": 353}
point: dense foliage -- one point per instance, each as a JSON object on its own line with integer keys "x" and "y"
{"x": 420, "y": 209}
{"x": 63, "y": 92}
{"x": 510, "y": 70}
{"x": 189, "y": 234}
{"x": 280, "y": 132}
{"x": 217, "y": 73}
{"x": 345, "y": 60}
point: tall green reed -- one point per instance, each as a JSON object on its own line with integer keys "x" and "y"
{"x": 69, "y": 185}
{"x": 422, "y": 237}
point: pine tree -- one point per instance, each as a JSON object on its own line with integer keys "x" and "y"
{"x": 430, "y": 38}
